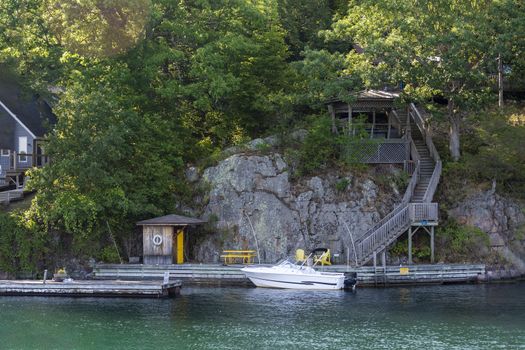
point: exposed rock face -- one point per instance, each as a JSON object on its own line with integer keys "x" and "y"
{"x": 286, "y": 216}
{"x": 503, "y": 219}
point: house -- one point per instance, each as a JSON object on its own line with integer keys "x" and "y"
{"x": 25, "y": 119}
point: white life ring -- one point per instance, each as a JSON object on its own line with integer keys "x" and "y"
{"x": 157, "y": 240}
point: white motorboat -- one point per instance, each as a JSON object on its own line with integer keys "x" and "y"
{"x": 291, "y": 276}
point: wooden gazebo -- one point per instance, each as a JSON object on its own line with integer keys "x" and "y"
{"x": 163, "y": 238}
{"x": 373, "y": 112}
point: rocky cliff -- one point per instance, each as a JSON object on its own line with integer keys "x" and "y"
{"x": 503, "y": 219}
{"x": 256, "y": 191}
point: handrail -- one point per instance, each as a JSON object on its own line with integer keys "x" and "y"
{"x": 436, "y": 174}
{"x": 412, "y": 184}
{"x": 406, "y": 198}
{"x": 383, "y": 235}
{"x": 433, "y": 183}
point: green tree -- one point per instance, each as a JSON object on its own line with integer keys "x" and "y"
{"x": 139, "y": 89}
{"x": 435, "y": 48}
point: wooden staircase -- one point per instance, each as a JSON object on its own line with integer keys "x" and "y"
{"x": 416, "y": 207}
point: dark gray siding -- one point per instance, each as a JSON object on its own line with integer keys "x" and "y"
{"x": 7, "y": 130}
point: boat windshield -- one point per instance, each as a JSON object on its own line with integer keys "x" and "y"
{"x": 287, "y": 263}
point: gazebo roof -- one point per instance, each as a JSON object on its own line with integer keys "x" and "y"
{"x": 171, "y": 220}
{"x": 377, "y": 95}
{"x": 371, "y": 96}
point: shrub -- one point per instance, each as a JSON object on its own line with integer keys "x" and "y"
{"x": 462, "y": 242}
{"x": 319, "y": 149}
{"x": 341, "y": 185}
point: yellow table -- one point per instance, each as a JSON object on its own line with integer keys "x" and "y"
{"x": 230, "y": 256}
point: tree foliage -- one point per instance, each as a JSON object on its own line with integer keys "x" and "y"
{"x": 141, "y": 88}
{"x": 433, "y": 49}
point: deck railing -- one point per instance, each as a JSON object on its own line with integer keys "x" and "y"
{"x": 24, "y": 161}
{"x": 387, "y": 151}
{"x": 423, "y": 212}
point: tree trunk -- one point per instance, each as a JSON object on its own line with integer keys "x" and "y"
{"x": 455, "y": 121}
{"x": 500, "y": 82}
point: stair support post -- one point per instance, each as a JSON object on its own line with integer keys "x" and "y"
{"x": 375, "y": 268}
{"x": 432, "y": 244}
{"x": 410, "y": 245}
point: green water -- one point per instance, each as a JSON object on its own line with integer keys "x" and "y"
{"x": 437, "y": 317}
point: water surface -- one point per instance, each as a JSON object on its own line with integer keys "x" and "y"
{"x": 436, "y": 317}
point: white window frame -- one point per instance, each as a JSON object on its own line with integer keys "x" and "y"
{"x": 5, "y": 153}
{"x": 22, "y": 149}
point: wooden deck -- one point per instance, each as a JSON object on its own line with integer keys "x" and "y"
{"x": 366, "y": 275}
{"x": 91, "y": 288}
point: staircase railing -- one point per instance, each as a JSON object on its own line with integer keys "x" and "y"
{"x": 397, "y": 218}
{"x": 422, "y": 124}
{"x": 390, "y": 227}
{"x": 385, "y": 234}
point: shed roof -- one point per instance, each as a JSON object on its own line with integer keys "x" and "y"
{"x": 172, "y": 220}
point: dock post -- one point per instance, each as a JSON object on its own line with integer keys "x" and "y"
{"x": 410, "y": 245}
{"x": 383, "y": 260}
{"x": 375, "y": 268}
{"x": 432, "y": 244}
{"x": 166, "y": 278}
{"x": 45, "y": 276}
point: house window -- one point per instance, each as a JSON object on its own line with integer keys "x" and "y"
{"x": 5, "y": 153}
{"x": 22, "y": 149}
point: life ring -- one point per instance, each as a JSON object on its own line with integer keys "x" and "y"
{"x": 157, "y": 240}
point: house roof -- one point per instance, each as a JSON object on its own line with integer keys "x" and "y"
{"x": 171, "y": 220}
{"x": 29, "y": 109}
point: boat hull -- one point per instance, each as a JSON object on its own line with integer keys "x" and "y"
{"x": 265, "y": 277}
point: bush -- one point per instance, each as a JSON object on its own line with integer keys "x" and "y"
{"x": 320, "y": 149}
{"x": 323, "y": 149}
{"x": 461, "y": 242}
{"x": 21, "y": 248}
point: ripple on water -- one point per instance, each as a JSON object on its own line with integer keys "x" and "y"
{"x": 438, "y": 317}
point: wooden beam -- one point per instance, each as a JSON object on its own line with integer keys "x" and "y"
{"x": 432, "y": 244}
{"x": 349, "y": 119}
{"x": 410, "y": 245}
{"x": 332, "y": 115}
{"x": 373, "y": 124}
{"x": 389, "y": 115}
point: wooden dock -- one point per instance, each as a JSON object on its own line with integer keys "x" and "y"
{"x": 188, "y": 273}
{"x": 416, "y": 274}
{"x": 366, "y": 276}
{"x": 91, "y": 288}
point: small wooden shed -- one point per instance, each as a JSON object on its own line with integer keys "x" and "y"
{"x": 163, "y": 238}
